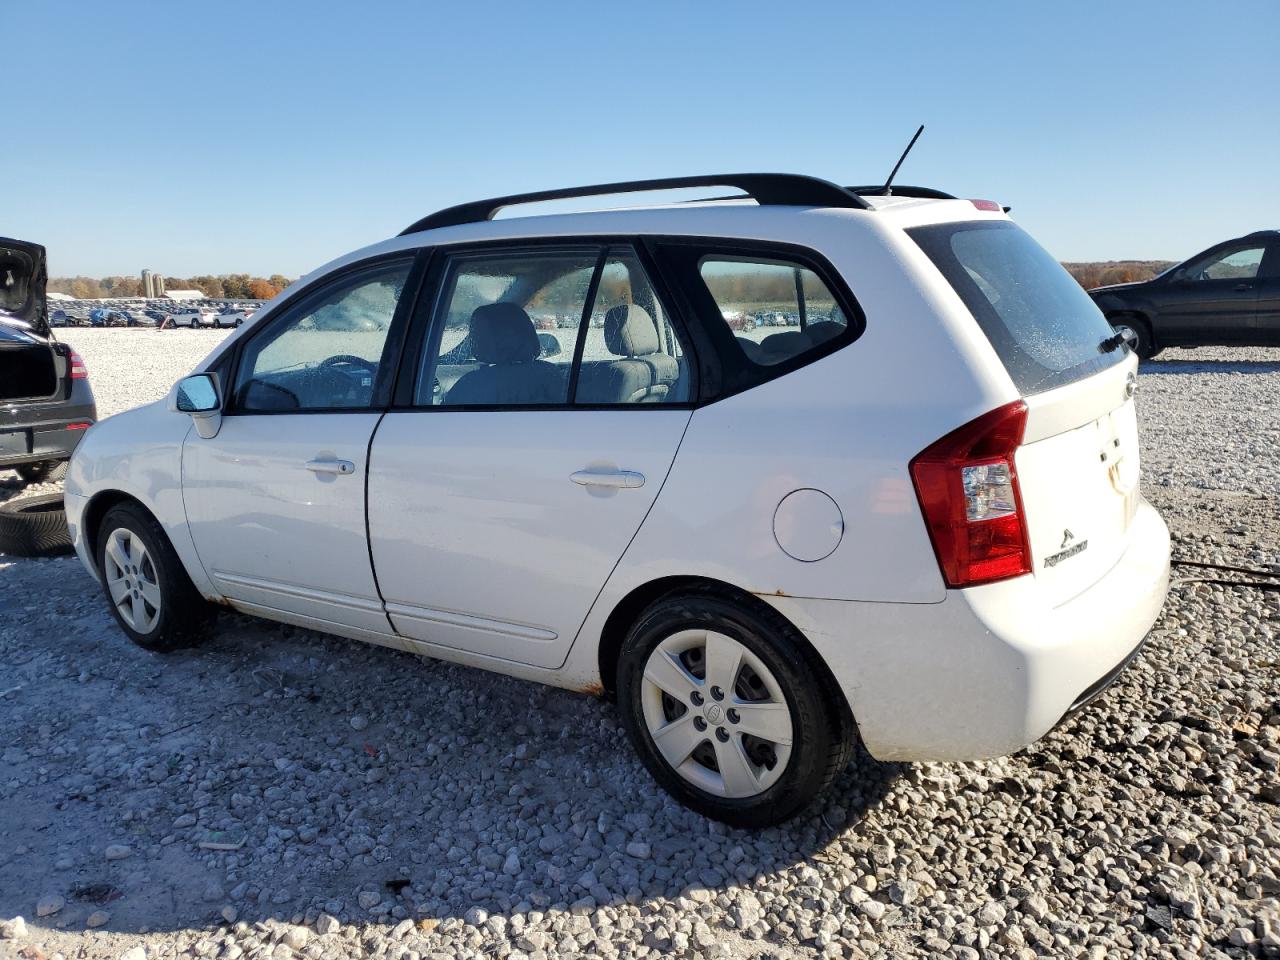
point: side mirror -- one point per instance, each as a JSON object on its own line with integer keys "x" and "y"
{"x": 200, "y": 397}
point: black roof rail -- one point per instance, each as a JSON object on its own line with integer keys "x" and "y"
{"x": 767, "y": 189}
{"x": 922, "y": 193}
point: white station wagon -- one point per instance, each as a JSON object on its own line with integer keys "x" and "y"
{"x": 562, "y": 448}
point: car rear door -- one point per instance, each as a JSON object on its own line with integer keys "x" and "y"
{"x": 522, "y": 456}
{"x": 1268, "y": 318}
{"x": 276, "y": 500}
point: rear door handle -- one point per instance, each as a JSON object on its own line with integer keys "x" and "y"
{"x": 615, "y": 478}
{"x": 342, "y": 467}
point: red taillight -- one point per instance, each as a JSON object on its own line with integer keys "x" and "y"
{"x": 78, "y": 372}
{"x": 79, "y": 426}
{"x": 989, "y": 205}
{"x": 968, "y": 490}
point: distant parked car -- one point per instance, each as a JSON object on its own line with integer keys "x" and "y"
{"x": 1229, "y": 295}
{"x": 193, "y": 317}
{"x": 231, "y": 316}
{"x": 136, "y": 318}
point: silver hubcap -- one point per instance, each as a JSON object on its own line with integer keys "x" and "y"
{"x": 131, "y": 580}
{"x": 716, "y": 713}
{"x": 1128, "y": 333}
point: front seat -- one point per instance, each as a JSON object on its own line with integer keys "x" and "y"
{"x": 504, "y": 339}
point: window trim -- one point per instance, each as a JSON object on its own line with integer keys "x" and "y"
{"x": 392, "y": 350}
{"x": 725, "y": 370}
{"x": 424, "y": 328}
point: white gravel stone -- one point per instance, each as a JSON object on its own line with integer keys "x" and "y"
{"x": 326, "y": 924}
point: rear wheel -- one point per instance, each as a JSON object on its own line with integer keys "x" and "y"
{"x": 728, "y": 711}
{"x": 146, "y": 586}
{"x": 1137, "y": 331}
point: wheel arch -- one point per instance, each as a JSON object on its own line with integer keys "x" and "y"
{"x": 626, "y": 611}
{"x": 96, "y": 509}
{"x": 1133, "y": 313}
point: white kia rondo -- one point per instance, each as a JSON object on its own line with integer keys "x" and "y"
{"x": 780, "y": 472}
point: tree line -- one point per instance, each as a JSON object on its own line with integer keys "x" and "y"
{"x": 1090, "y": 275}
{"x": 228, "y": 286}
{"x": 242, "y": 286}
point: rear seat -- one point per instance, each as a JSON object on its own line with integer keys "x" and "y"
{"x": 643, "y": 374}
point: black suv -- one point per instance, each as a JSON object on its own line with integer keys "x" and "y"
{"x": 1228, "y": 295}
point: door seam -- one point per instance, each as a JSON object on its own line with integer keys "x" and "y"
{"x": 368, "y": 531}
{"x": 640, "y": 526}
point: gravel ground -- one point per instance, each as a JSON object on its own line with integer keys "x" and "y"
{"x": 278, "y": 793}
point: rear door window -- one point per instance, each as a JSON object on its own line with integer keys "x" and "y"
{"x": 1043, "y": 326}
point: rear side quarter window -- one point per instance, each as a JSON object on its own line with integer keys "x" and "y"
{"x": 761, "y": 310}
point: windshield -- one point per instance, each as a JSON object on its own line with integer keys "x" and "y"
{"x": 1044, "y": 327}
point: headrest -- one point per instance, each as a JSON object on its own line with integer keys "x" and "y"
{"x": 503, "y": 333}
{"x": 629, "y": 331}
{"x": 823, "y": 330}
{"x": 789, "y": 342}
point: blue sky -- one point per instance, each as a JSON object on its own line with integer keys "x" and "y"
{"x": 267, "y": 137}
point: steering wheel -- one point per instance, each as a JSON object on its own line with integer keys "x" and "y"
{"x": 347, "y": 360}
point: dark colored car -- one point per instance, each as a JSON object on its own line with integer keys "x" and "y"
{"x": 45, "y": 400}
{"x": 1228, "y": 295}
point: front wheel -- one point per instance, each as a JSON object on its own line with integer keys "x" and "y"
{"x": 147, "y": 588}
{"x": 728, "y": 710}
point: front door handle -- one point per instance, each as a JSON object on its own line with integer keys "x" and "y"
{"x": 614, "y": 478}
{"x": 1242, "y": 287}
{"x": 342, "y": 467}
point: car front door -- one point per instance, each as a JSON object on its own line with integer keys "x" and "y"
{"x": 531, "y": 436}
{"x": 1214, "y": 299}
{"x": 275, "y": 501}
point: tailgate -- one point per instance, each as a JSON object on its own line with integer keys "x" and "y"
{"x": 1078, "y": 474}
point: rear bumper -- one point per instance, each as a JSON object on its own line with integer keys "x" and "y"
{"x": 44, "y": 436}
{"x": 990, "y": 669}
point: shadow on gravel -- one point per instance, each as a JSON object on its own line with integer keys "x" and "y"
{"x": 1210, "y": 366}
{"x": 285, "y": 773}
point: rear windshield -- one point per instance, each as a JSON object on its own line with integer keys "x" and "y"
{"x": 1044, "y": 327}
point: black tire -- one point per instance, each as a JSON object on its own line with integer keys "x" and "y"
{"x": 823, "y": 729}
{"x": 34, "y": 527}
{"x": 183, "y": 614}
{"x": 1145, "y": 346}
{"x": 46, "y": 471}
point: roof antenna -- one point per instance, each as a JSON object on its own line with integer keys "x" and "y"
{"x": 887, "y": 189}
